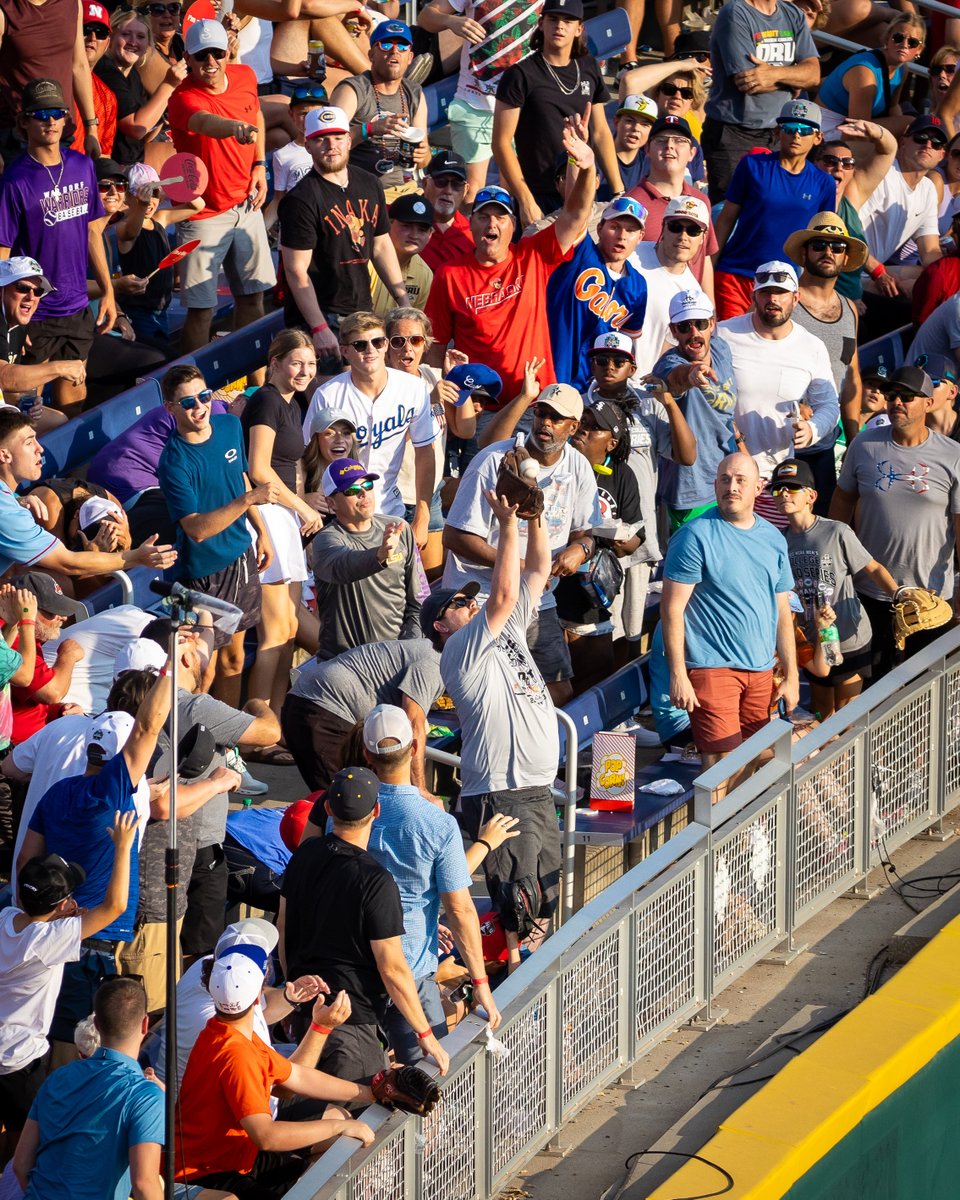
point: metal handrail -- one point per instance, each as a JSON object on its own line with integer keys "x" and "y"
{"x": 840, "y": 43}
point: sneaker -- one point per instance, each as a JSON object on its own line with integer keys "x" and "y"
{"x": 419, "y": 69}
{"x": 252, "y": 787}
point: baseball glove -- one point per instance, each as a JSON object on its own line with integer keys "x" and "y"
{"x": 516, "y": 488}
{"x": 407, "y": 1088}
{"x": 916, "y": 608}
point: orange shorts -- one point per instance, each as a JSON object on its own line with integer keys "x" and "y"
{"x": 733, "y": 294}
{"x": 733, "y": 705}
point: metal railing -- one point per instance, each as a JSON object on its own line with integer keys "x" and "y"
{"x": 657, "y": 947}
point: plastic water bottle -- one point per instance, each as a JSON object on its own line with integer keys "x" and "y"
{"x": 830, "y": 637}
{"x": 247, "y": 801}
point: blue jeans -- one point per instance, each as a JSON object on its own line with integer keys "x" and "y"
{"x": 80, "y": 982}
{"x": 402, "y": 1039}
{"x": 436, "y": 513}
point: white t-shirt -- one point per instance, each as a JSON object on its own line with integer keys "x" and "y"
{"x": 570, "y": 501}
{"x": 382, "y": 425}
{"x": 895, "y": 213}
{"x": 290, "y": 164}
{"x": 662, "y": 286}
{"x": 56, "y": 752}
{"x": 102, "y": 637}
{"x": 771, "y": 376}
{"x": 31, "y": 967}
{"x": 407, "y": 478}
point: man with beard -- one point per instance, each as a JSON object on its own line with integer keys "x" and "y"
{"x": 728, "y": 562}
{"x": 824, "y": 250}
{"x": 332, "y": 225}
{"x": 779, "y": 367}
{"x": 444, "y": 185}
{"x": 571, "y": 510}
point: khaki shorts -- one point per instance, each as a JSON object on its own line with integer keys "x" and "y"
{"x": 235, "y": 240}
{"x": 146, "y": 956}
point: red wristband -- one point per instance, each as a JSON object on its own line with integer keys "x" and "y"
{"x": 878, "y": 271}
{"x": 319, "y": 328}
{"x": 481, "y": 981}
{"x": 426, "y": 1033}
{"x": 320, "y": 1028}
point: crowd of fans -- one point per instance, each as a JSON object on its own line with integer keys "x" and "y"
{"x": 656, "y": 298}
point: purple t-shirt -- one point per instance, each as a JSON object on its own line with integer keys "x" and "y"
{"x": 44, "y": 213}
{"x": 128, "y": 464}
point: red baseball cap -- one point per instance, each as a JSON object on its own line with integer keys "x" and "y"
{"x": 294, "y": 820}
{"x": 95, "y": 14}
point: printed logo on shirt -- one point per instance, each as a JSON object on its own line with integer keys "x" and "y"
{"x": 918, "y": 479}
{"x": 775, "y": 46}
{"x": 378, "y": 432}
{"x": 508, "y": 26}
{"x": 813, "y": 577}
{"x": 65, "y": 204}
{"x": 231, "y": 455}
{"x": 528, "y": 682}
{"x": 588, "y": 286}
{"x": 499, "y": 295}
{"x": 347, "y": 218}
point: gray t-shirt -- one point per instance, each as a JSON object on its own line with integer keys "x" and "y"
{"x": 507, "y": 719}
{"x": 228, "y": 725}
{"x": 908, "y": 498}
{"x": 740, "y": 31}
{"x": 827, "y": 556}
{"x": 353, "y": 683}
{"x": 940, "y": 332}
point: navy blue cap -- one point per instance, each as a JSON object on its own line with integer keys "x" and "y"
{"x": 475, "y": 377}
{"x": 675, "y": 125}
{"x": 939, "y": 366}
{"x": 494, "y": 195}
{"x": 388, "y": 31}
{"x": 353, "y": 794}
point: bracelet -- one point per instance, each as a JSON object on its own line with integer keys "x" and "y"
{"x": 426, "y": 1033}
{"x": 260, "y": 162}
{"x": 320, "y": 1029}
{"x": 319, "y": 328}
{"x": 484, "y": 842}
{"x": 878, "y": 271}
{"x": 587, "y": 550}
{"x": 26, "y": 622}
{"x": 481, "y": 981}
{"x": 89, "y": 122}
{"x": 364, "y": 131}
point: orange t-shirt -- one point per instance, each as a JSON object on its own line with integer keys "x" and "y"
{"x": 497, "y": 315}
{"x": 228, "y": 1077}
{"x": 228, "y": 163}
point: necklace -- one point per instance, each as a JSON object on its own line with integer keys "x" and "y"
{"x": 559, "y": 82}
{"x": 54, "y": 182}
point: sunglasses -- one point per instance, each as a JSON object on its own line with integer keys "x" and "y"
{"x": 925, "y": 139}
{"x": 157, "y": 10}
{"x": 900, "y": 38}
{"x": 458, "y": 602}
{"x": 701, "y": 56}
{"x": 28, "y": 289}
{"x": 686, "y": 227}
{"x": 441, "y": 182}
{"x": 189, "y": 402}
{"x": 202, "y": 55}
{"x": 699, "y": 323}
{"x": 944, "y": 69}
{"x": 111, "y": 185}
{"x": 389, "y": 47}
{"x": 47, "y": 114}
{"x": 788, "y": 489}
{"x": 378, "y": 343}
{"x": 358, "y": 489}
{"x": 821, "y": 244}
{"x": 671, "y": 89}
{"x": 318, "y": 94}
{"x": 100, "y": 32}
{"x": 900, "y": 397}
{"x": 611, "y": 360}
{"x": 774, "y": 277}
{"x": 848, "y": 162}
{"x": 800, "y": 127}
{"x": 398, "y": 341}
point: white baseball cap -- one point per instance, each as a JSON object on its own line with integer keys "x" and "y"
{"x": 614, "y": 341}
{"x": 96, "y": 508}
{"x": 384, "y": 722}
{"x": 236, "y": 982}
{"x": 109, "y": 733}
{"x": 690, "y": 304}
{"x": 140, "y": 654}
{"x": 639, "y": 106}
{"x": 321, "y": 121}
{"x": 776, "y": 274}
{"x": 254, "y": 931}
{"x": 205, "y": 35}
{"x": 12, "y": 270}
{"x": 691, "y": 207}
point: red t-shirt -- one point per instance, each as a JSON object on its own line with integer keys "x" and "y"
{"x": 105, "y": 110}
{"x": 938, "y": 282}
{"x": 497, "y": 315}
{"x": 656, "y": 205}
{"x": 447, "y": 245}
{"x": 229, "y": 164}
{"x": 30, "y": 715}
{"x": 228, "y": 1077}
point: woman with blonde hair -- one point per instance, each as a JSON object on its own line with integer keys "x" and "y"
{"x": 274, "y": 442}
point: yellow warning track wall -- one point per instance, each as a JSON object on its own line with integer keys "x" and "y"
{"x": 863, "y": 1113}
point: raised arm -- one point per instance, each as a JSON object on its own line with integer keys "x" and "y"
{"x": 578, "y": 204}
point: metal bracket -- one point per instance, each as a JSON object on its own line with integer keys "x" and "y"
{"x": 784, "y": 957}
{"x": 860, "y": 891}
{"x": 936, "y": 833}
{"x": 632, "y": 1078}
{"x": 707, "y": 1020}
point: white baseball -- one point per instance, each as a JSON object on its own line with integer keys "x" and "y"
{"x": 528, "y": 468}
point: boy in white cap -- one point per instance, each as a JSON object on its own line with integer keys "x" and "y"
{"x": 632, "y": 123}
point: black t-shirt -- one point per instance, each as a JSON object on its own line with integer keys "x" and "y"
{"x": 339, "y": 900}
{"x": 12, "y": 340}
{"x": 619, "y": 501}
{"x": 150, "y": 248}
{"x": 131, "y": 95}
{"x": 338, "y": 224}
{"x": 267, "y": 407}
{"x": 532, "y": 87}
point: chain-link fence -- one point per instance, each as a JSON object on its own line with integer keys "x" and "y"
{"x": 655, "y": 947}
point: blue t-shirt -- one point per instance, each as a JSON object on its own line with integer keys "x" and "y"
{"x": 709, "y": 413}
{"x": 22, "y": 541}
{"x": 91, "y": 1113}
{"x": 199, "y": 477}
{"x": 258, "y": 830}
{"x": 731, "y": 619}
{"x": 834, "y": 95}
{"x": 73, "y": 818}
{"x": 585, "y": 300}
{"x": 773, "y": 203}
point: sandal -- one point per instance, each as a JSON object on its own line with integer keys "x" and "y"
{"x": 270, "y": 756}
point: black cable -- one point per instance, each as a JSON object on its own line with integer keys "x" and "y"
{"x": 784, "y": 1041}
{"x": 698, "y": 1158}
{"x": 890, "y": 870}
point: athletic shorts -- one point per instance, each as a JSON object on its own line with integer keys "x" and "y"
{"x": 471, "y": 131}
{"x": 239, "y": 584}
{"x": 235, "y": 240}
{"x": 61, "y": 337}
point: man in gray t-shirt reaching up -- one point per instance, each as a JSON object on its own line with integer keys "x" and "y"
{"x": 508, "y": 724}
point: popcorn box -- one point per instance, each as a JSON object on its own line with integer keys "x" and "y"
{"x": 613, "y": 772}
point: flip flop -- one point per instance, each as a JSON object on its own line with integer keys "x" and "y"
{"x": 270, "y": 756}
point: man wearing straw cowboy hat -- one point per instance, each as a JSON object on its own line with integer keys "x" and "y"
{"x": 825, "y": 250}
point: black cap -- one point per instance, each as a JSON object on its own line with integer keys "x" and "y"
{"x": 878, "y": 378}
{"x": 44, "y": 882}
{"x": 694, "y": 41}
{"x": 42, "y": 93}
{"x": 195, "y": 752}
{"x": 675, "y": 125}
{"x": 352, "y": 794}
{"x": 912, "y": 381}
{"x": 432, "y": 608}
{"x": 607, "y": 415}
{"x": 108, "y": 169}
{"x": 929, "y": 124}
{"x": 49, "y": 594}
{"x": 792, "y": 472}
{"x": 447, "y": 162}
{"x": 939, "y": 366}
{"x": 565, "y": 8}
{"x": 413, "y": 208}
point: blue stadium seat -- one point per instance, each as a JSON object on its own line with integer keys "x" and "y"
{"x": 587, "y": 714}
{"x": 240, "y": 352}
{"x": 80, "y": 439}
{"x": 887, "y": 351}
{"x": 623, "y": 695}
